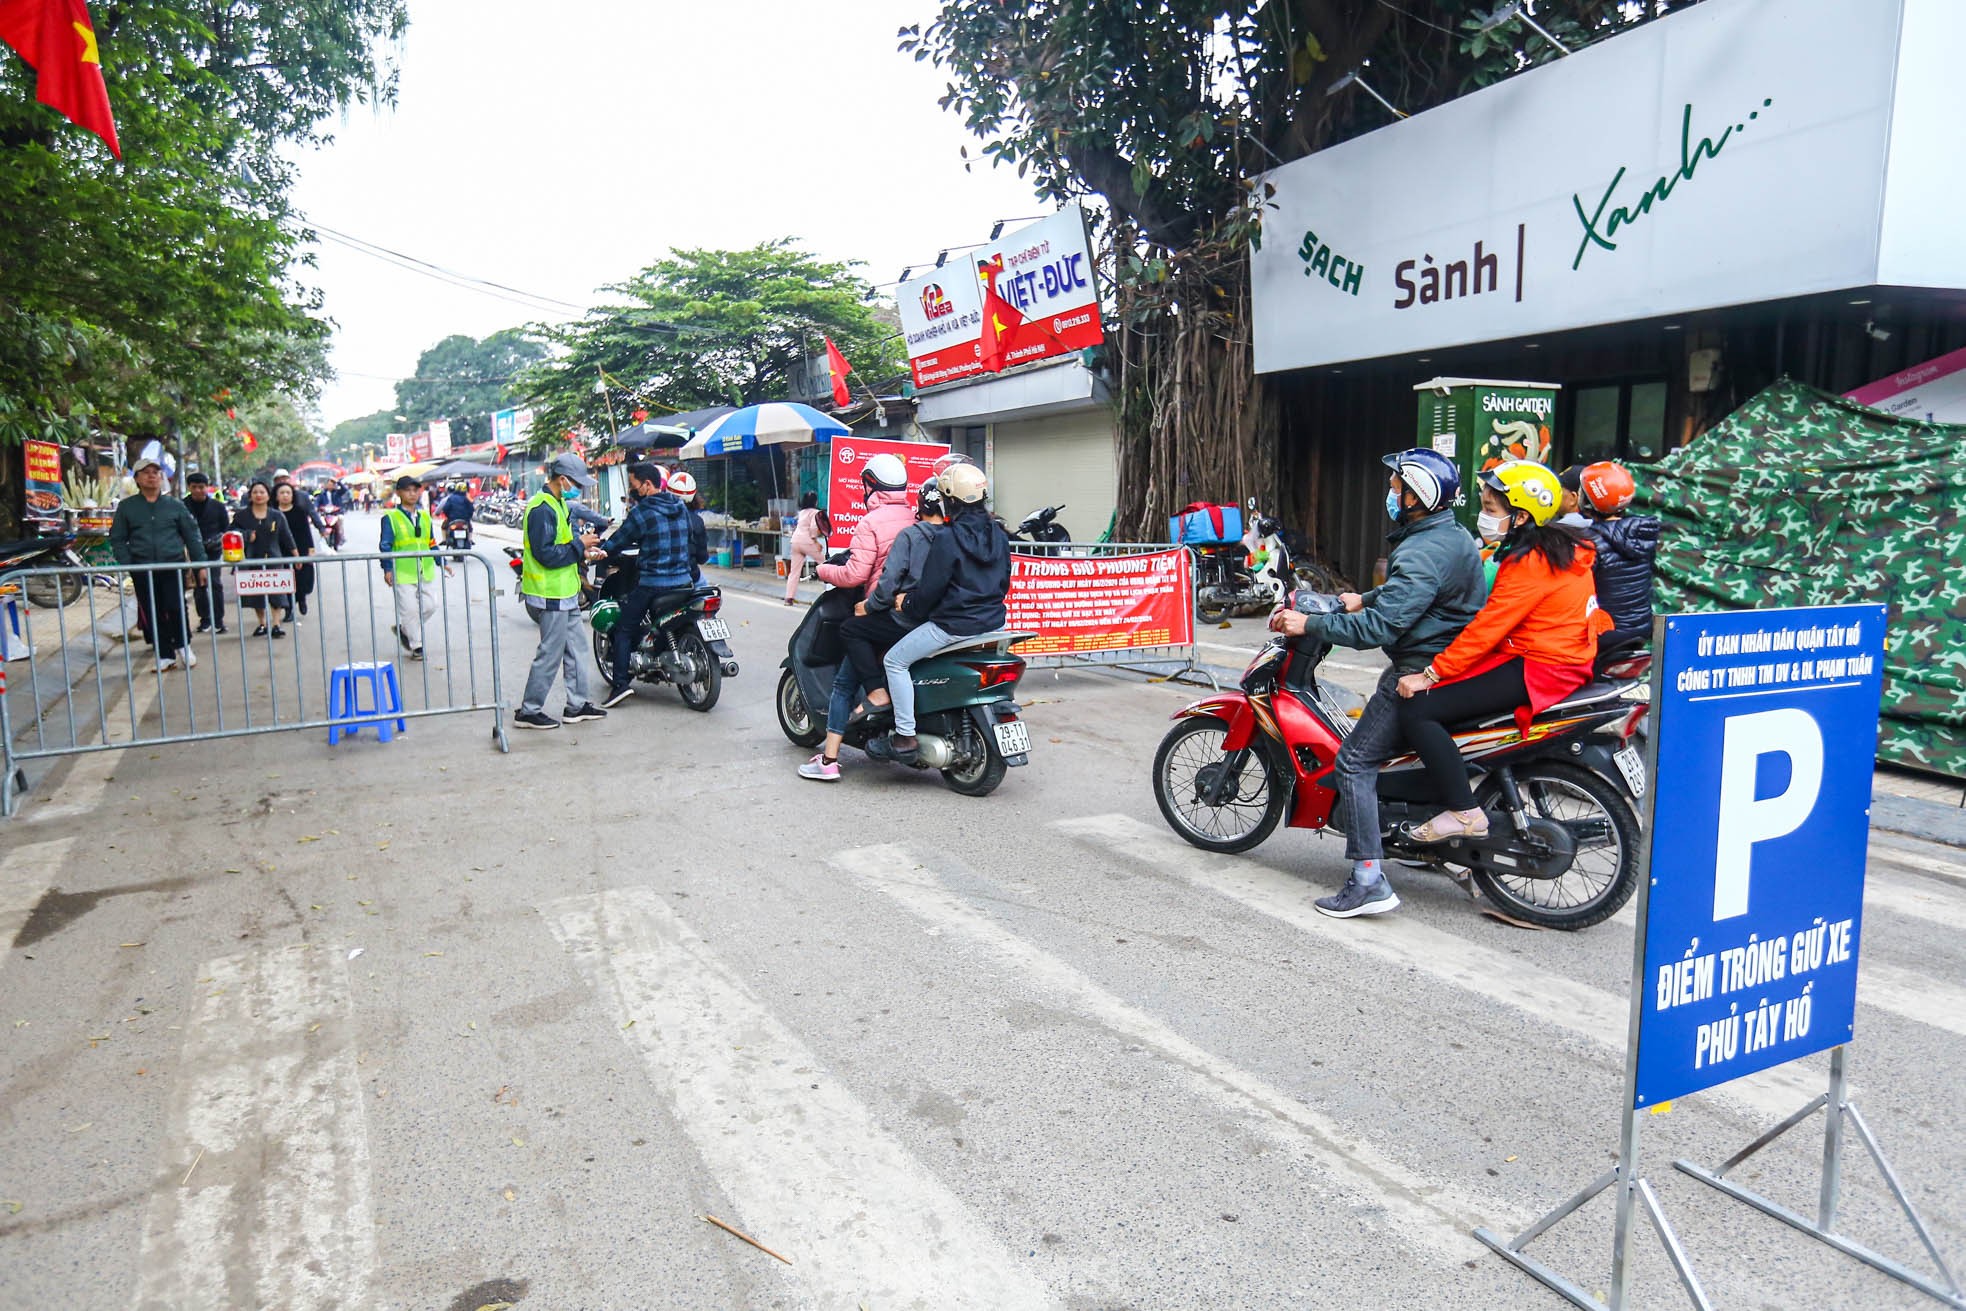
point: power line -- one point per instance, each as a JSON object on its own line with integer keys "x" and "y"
{"x": 463, "y": 282}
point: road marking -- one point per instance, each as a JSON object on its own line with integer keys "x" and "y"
{"x": 808, "y": 1169}
{"x": 1904, "y": 859}
{"x": 737, "y": 594}
{"x": 1934, "y": 904}
{"x": 1912, "y": 996}
{"x": 26, "y": 874}
{"x": 1250, "y": 652}
{"x": 263, "y": 1198}
{"x": 1418, "y": 1207}
{"x": 1578, "y": 1008}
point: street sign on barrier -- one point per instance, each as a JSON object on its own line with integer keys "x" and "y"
{"x": 1764, "y": 731}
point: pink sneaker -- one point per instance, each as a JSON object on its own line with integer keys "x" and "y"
{"x": 820, "y": 768}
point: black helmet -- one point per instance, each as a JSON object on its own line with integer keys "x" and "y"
{"x": 929, "y": 501}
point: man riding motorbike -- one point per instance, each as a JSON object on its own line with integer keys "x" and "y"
{"x": 456, "y": 508}
{"x": 961, "y": 594}
{"x": 658, "y": 525}
{"x": 1532, "y": 644}
{"x": 1433, "y": 588}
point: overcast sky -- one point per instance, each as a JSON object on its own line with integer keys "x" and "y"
{"x": 558, "y": 148}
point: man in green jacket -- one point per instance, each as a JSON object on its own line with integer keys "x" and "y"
{"x": 1432, "y": 590}
{"x": 152, "y": 528}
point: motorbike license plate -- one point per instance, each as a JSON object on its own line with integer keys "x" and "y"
{"x": 1631, "y": 763}
{"x": 713, "y": 630}
{"x": 1013, "y": 738}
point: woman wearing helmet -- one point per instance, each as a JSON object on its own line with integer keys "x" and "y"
{"x": 1531, "y": 645}
{"x": 1627, "y": 545}
{"x": 884, "y": 482}
{"x": 876, "y": 626}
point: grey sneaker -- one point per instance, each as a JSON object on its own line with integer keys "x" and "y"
{"x": 581, "y": 713}
{"x": 1353, "y": 899}
{"x": 616, "y": 695}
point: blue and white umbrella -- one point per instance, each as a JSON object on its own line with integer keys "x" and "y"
{"x": 773, "y": 424}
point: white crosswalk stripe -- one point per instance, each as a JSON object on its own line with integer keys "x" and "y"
{"x": 263, "y": 1197}
{"x": 1420, "y": 1209}
{"x": 1402, "y": 940}
{"x": 809, "y": 1170}
{"x": 1892, "y": 854}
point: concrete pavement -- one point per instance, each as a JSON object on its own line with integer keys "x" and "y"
{"x": 421, "y": 1025}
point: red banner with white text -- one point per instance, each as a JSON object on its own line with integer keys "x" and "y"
{"x": 846, "y": 503}
{"x": 1077, "y": 605}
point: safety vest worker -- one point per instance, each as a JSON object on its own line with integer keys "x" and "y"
{"x": 404, "y": 533}
{"x": 549, "y": 582}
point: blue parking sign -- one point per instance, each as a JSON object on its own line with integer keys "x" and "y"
{"x": 1766, "y": 733}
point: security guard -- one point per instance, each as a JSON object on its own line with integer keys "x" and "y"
{"x": 549, "y": 584}
{"x": 406, "y": 529}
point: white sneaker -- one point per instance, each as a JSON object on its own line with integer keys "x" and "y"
{"x": 165, "y": 666}
{"x": 189, "y": 657}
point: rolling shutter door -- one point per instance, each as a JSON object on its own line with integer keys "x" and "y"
{"x": 1064, "y": 459}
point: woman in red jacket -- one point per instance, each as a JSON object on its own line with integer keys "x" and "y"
{"x": 1530, "y": 646}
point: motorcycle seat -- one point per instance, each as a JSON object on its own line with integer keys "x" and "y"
{"x": 1001, "y": 640}
{"x": 1584, "y": 698}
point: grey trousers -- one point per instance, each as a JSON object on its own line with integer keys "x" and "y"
{"x": 560, "y": 649}
{"x": 1374, "y": 740}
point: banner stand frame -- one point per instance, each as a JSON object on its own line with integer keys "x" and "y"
{"x": 1838, "y": 1108}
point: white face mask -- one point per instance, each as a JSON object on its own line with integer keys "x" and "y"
{"x": 1492, "y": 527}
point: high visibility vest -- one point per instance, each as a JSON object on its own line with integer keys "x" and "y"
{"x": 406, "y": 536}
{"x": 535, "y": 579}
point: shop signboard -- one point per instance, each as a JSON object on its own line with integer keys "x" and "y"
{"x": 1753, "y": 912}
{"x": 1672, "y": 168}
{"x": 1480, "y": 422}
{"x": 846, "y": 502}
{"x": 1080, "y": 605}
{"x": 440, "y": 438}
{"x": 419, "y": 446}
{"x": 43, "y": 477}
{"x": 1934, "y": 391}
{"x": 397, "y": 447}
{"x": 1044, "y": 271}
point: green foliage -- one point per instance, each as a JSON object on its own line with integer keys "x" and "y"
{"x": 708, "y": 327}
{"x": 465, "y": 380}
{"x": 132, "y": 293}
{"x": 347, "y": 439}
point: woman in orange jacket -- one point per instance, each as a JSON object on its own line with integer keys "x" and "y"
{"x": 1530, "y": 646}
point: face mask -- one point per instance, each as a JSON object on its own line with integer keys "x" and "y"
{"x": 1493, "y": 527}
{"x": 1392, "y": 506}
{"x": 570, "y": 494}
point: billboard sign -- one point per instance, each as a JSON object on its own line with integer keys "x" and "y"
{"x": 1100, "y": 603}
{"x": 1934, "y": 391}
{"x": 397, "y": 447}
{"x": 845, "y": 501}
{"x": 1752, "y": 916}
{"x": 440, "y": 438}
{"x": 42, "y": 462}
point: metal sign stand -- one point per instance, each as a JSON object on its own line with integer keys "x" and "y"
{"x": 1838, "y": 1108}
{"x": 1633, "y": 1189}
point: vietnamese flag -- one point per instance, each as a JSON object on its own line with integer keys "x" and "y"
{"x": 58, "y": 41}
{"x": 252, "y": 442}
{"x": 1000, "y": 319}
{"x": 837, "y": 369}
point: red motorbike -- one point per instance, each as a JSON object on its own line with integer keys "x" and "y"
{"x": 1562, "y": 843}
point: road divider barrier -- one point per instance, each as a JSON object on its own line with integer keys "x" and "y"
{"x": 100, "y": 680}
{"x": 1123, "y": 604}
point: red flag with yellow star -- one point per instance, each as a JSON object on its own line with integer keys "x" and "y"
{"x": 58, "y": 41}
{"x": 1000, "y": 318}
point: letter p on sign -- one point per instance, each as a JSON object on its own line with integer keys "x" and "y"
{"x": 1744, "y": 820}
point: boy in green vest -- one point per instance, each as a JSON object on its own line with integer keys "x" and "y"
{"x": 406, "y": 527}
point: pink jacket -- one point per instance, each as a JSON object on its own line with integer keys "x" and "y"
{"x": 887, "y": 514}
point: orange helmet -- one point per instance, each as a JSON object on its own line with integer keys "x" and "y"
{"x": 1608, "y": 486}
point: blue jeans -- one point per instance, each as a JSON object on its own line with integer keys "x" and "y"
{"x": 846, "y": 689}
{"x": 915, "y": 644}
{"x": 1374, "y": 740}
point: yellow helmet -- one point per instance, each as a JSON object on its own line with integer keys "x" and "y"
{"x": 1526, "y": 485}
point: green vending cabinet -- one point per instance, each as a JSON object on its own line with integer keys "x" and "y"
{"x": 1480, "y": 422}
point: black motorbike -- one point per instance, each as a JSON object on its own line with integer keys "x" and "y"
{"x": 45, "y": 553}
{"x": 457, "y": 534}
{"x": 683, "y": 641}
{"x": 1041, "y": 526}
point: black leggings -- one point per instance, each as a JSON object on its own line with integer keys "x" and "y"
{"x": 1423, "y": 721}
{"x": 867, "y": 638}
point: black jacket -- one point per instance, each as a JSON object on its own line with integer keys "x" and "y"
{"x": 209, "y": 515}
{"x": 266, "y": 539}
{"x": 964, "y": 578}
{"x": 1626, "y": 547}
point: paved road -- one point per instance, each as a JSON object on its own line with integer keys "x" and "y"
{"x": 424, "y": 1026}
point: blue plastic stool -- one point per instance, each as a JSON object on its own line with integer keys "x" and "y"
{"x": 385, "y": 700}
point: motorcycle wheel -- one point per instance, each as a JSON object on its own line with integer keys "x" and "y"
{"x": 703, "y": 693}
{"x": 1182, "y": 768}
{"x": 1210, "y": 612}
{"x": 981, "y": 777}
{"x": 45, "y": 593}
{"x": 795, "y": 718}
{"x": 1604, "y": 873}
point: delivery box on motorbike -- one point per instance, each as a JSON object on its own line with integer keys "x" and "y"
{"x": 1202, "y": 524}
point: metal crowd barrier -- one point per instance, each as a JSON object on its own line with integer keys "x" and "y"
{"x": 1163, "y": 660}
{"x": 93, "y": 692}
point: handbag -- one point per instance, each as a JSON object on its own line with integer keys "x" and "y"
{"x": 835, "y": 607}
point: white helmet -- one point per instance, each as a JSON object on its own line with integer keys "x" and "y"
{"x": 682, "y": 484}
{"x": 963, "y": 483}
{"x": 885, "y": 473}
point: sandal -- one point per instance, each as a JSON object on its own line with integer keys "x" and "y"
{"x": 866, "y": 710}
{"x": 1447, "y": 825}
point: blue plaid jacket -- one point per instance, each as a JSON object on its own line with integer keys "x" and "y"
{"x": 659, "y": 526}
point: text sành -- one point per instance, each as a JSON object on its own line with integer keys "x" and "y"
{"x": 1451, "y": 283}
{"x": 1320, "y": 261}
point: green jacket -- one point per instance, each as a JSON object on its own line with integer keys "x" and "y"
{"x": 154, "y": 532}
{"x": 1433, "y": 588}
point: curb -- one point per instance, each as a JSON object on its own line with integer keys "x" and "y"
{"x": 1926, "y": 820}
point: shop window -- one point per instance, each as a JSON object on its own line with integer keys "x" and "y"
{"x": 1618, "y": 421}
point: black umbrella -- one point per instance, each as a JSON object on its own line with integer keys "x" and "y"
{"x": 669, "y": 430}
{"x": 464, "y": 469}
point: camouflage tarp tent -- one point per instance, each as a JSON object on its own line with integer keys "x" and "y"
{"x": 1803, "y": 498}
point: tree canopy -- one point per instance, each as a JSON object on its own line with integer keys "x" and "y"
{"x": 132, "y": 293}
{"x": 464, "y": 380}
{"x": 709, "y": 327}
